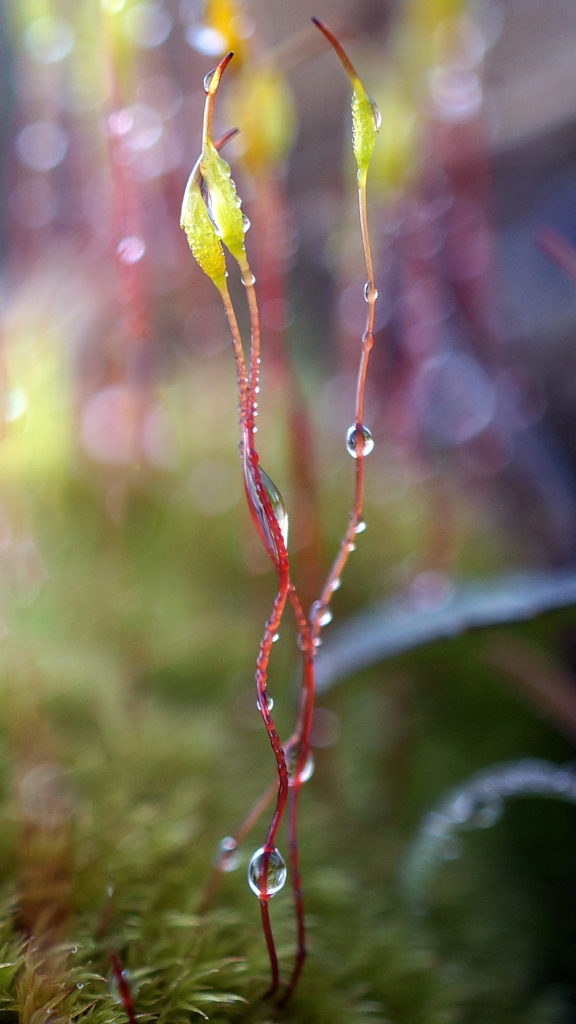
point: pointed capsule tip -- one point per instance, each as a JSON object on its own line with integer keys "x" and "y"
{"x": 344, "y": 58}
{"x": 212, "y": 79}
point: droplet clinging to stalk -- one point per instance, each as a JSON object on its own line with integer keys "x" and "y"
{"x": 259, "y": 511}
{"x": 266, "y": 872}
{"x": 359, "y": 441}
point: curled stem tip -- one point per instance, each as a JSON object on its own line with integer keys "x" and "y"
{"x": 212, "y": 80}
{"x": 346, "y": 62}
{"x": 211, "y": 83}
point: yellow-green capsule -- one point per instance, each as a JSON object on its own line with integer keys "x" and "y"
{"x": 223, "y": 201}
{"x": 201, "y": 233}
{"x": 365, "y": 125}
{"x": 365, "y": 114}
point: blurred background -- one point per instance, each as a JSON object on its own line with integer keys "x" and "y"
{"x": 133, "y": 588}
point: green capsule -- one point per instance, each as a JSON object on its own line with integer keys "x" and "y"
{"x": 201, "y": 233}
{"x": 223, "y": 201}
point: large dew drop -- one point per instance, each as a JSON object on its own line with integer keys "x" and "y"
{"x": 278, "y": 508}
{"x": 359, "y": 441}
{"x": 306, "y": 772}
{"x": 266, "y": 872}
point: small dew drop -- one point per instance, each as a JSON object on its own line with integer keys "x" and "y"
{"x": 320, "y": 614}
{"x": 336, "y": 584}
{"x": 360, "y": 527}
{"x": 377, "y": 116}
{"x": 227, "y": 857}
{"x": 359, "y": 441}
{"x": 269, "y": 703}
{"x": 245, "y": 223}
{"x": 351, "y": 548}
{"x": 207, "y": 80}
{"x": 266, "y": 872}
{"x": 370, "y": 292}
{"x": 317, "y": 641}
{"x": 275, "y": 638}
{"x": 248, "y": 280}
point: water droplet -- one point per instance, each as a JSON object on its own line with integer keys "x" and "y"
{"x": 336, "y": 584}
{"x": 266, "y": 872}
{"x": 275, "y": 638}
{"x": 351, "y": 547}
{"x": 359, "y": 441}
{"x": 320, "y": 614}
{"x": 360, "y": 527}
{"x": 306, "y": 772}
{"x": 370, "y": 292}
{"x": 269, "y": 703}
{"x": 79, "y": 984}
{"x": 245, "y": 223}
{"x": 248, "y": 279}
{"x": 207, "y": 79}
{"x": 227, "y": 857}
{"x": 377, "y": 116}
{"x": 276, "y": 501}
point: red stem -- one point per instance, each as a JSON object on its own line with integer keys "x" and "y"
{"x": 124, "y": 989}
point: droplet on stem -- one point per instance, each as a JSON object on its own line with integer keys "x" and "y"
{"x": 276, "y": 501}
{"x": 320, "y": 614}
{"x": 370, "y": 292}
{"x": 359, "y": 441}
{"x": 306, "y": 772}
{"x": 269, "y": 703}
{"x": 266, "y": 872}
{"x": 207, "y": 80}
{"x": 360, "y": 527}
{"x": 377, "y": 115}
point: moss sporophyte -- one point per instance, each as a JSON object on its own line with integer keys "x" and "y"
{"x": 214, "y": 223}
